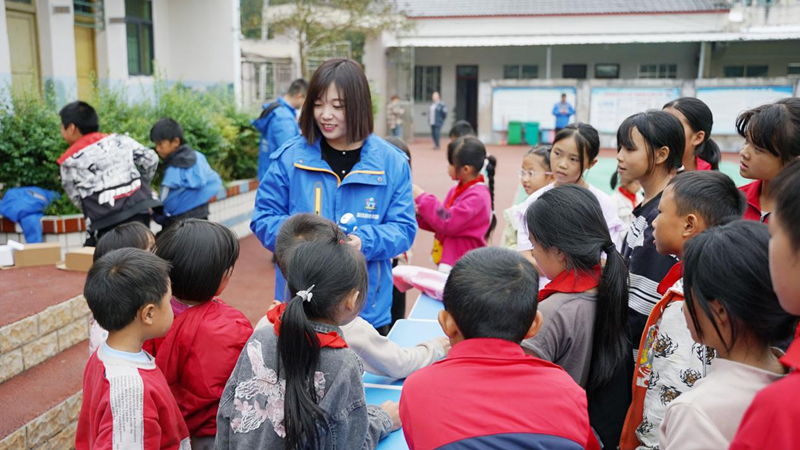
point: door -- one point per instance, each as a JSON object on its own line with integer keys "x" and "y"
{"x": 24, "y": 50}
{"x": 85, "y": 60}
{"x": 467, "y": 94}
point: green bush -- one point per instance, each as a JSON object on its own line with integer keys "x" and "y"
{"x": 31, "y": 143}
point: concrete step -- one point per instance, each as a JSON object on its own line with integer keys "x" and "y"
{"x": 40, "y": 407}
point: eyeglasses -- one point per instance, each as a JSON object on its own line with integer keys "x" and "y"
{"x": 530, "y": 173}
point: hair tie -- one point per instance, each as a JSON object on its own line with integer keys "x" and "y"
{"x": 306, "y": 295}
{"x": 609, "y": 248}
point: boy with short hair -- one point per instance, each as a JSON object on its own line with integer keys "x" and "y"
{"x": 771, "y": 420}
{"x": 189, "y": 182}
{"x": 487, "y": 392}
{"x": 670, "y": 361}
{"x": 106, "y": 175}
{"x": 126, "y": 400}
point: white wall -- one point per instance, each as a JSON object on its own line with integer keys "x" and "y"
{"x": 775, "y": 54}
{"x": 5, "y": 57}
{"x": 490, "y": 62}
{"x": 57, "y": 48}
{"x": 375, "y": 68}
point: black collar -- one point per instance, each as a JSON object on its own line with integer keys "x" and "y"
{"x": 184, "y": 157}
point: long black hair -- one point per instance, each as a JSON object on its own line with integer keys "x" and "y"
{"x": 586, "y": 139}
{"x": 700, "y": 118}
{"x": 740, "y": 250}
{"x": 470, "y": 151}
{"x": 335, "y": 270}
{"x": 658, "y": 129}
{"x": 570, "y": 219}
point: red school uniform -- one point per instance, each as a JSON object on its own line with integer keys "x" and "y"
{"x": 752, "y": 192}
{"x": 198, "y": 355}
{"x": 771, "y": 420}
{"x": 128, "y": 405}
{"x": 487, "y": 393}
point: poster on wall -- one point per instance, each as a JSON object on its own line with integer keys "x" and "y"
{"x": 528, "y": 104}
{"x": 726, "y": 103}
{"x": 610, "y": 106}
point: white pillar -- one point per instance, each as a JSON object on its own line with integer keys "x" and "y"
{"x": 701, "y": 65}
{"x": 56, "y": 23}
{"x": 375, "y": 68}
{"x": 236, "y": 36}
{"x": 5, "y": 59}
{"x": 549, "y": 66}
{"x": 112, "y": 47}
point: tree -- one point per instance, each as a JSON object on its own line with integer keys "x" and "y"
{"x": 315, "y": 24}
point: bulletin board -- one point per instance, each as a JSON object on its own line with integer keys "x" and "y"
{"x": 527, "y": 104}
{"x": 726, "y": 103}
{"x": 610, "y": 106}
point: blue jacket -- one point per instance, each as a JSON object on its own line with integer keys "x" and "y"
{"x": 562, "y": 119}
{"x": 276, "y": 128}
{"x": 26, "y": 205}
{"x": 377, "y": 191}
{"x": 188, "y": 181}
{"x": 441, "y": 115}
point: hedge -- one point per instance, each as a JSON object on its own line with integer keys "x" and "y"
{"x": 31, "y": 143}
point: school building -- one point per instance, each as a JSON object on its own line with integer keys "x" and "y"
{"x": 496, "y": 61}
{"x": 62, "y": 43}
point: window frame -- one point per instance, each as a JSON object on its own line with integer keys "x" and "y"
{"x": 427, "y": 80}
{"x": 573, "y": 66}
{"x": 606, "y": 66}
{"x": 139, "y": 24}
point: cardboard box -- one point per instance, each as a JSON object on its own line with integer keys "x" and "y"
{"x": 80, "y": 259}
{"x": 38, "y": 255}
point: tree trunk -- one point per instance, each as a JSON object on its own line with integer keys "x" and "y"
{"x": 303, "y": 66}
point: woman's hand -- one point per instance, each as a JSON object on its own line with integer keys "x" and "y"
{"x": 355, "y": 241}
{"x": 393, "y": 409}
{"x": 416, "y": 191}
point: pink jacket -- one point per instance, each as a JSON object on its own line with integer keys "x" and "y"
{"x": 462, "y": 227}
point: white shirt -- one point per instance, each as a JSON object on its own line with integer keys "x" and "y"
{"x": 432, "y": 113}
{"x": 381, "y": 356}
{"x": 708, "y": 416}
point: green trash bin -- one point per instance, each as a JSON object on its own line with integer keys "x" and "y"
{"x": 514, "y": 133}
{"x": 532, "y": 133}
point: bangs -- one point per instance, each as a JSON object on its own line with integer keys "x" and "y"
{"x": 624, "y": 138}
{"x": 354, "y": 92}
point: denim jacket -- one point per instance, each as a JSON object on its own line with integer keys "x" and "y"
{"x": 251, "y": 409}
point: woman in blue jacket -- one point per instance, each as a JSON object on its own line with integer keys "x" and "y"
{"x": 338, "y": 167}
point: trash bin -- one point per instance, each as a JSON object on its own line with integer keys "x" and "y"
{"x": 532, "y": 133}
{"x": 514, "y": 133}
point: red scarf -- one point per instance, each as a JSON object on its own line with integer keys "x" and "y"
{"x": 571, "y": 281}
{"x": 628, "y": 194}
{"x": 674, "y": 274}
{"x": 330, "y": 339}
{"x": 462, "y": 187}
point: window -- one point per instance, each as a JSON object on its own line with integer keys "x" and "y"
{"x": 793, "y": 69}
{"x": 520, "y": 72}
{"x": 658, "y": 71}
{"x": 574, "y": 71}
{"x": 742, "y": 71}
{"x": 606, "y": 70}
{"x": 89, "y": 13}
{"x": 427, "y": 80}
{"x": 756, "y": 71}
{"x": 139, "y": 24}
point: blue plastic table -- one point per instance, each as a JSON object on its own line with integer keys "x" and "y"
{"x": 407, "y": 333}
{"x": 426, "y": 308}
{"x": 376, "y": 396}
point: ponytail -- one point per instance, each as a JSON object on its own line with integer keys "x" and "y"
{"x": 609, "y": 341}
{"x": 699, "y": 117}
{"x": 570, "y": 219}
{"x": 308, "y": 267}
{"x": 491, "y": 165}
{"x": 299, "y": 362}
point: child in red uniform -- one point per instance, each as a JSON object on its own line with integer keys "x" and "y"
{"x": 487, "y": 393}
{"x": 772, "y": 135}
{"x": 198, "y": 354}
{"x": 700, "y": 152}
{"x": 771, "y": 420}
{"x": 670, "y": 361}
{"x": 126, "y": 400}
